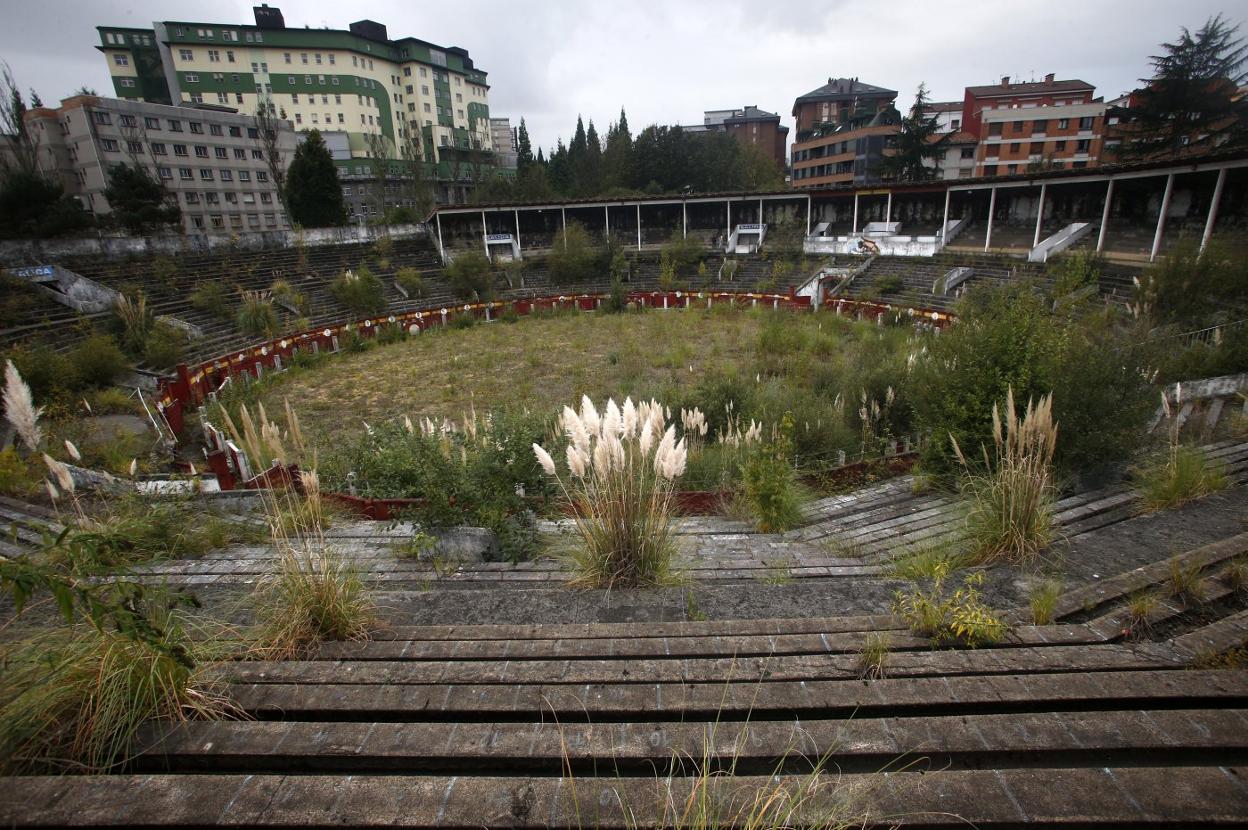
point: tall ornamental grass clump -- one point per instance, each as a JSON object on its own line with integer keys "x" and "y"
{"x": 1011, "y": 497}
{"x": 622, "y": 467}
{"x": 1180, "y": 473}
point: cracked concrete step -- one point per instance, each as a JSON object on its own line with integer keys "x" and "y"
{"x": 1009, "y": 660}
{"x": 1018, "y": 740}
{"x": 1104, "y": 797}
{"x": 748, "y": 699}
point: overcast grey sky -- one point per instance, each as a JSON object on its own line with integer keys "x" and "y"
{"x": 666, "y": 62}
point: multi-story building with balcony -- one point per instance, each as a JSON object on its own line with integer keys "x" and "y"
{"x": 503, "y": 139}
{"x": 844, "y": 129}
{"x": 956, "y": 158}
{"x": 752, "y": 127}
{"x": 395, "y": 99}
{"x": 211, "y": 159}
{"x": 1047, "y": 124}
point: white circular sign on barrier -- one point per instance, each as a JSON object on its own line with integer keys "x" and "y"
{"x": 327, "y": 332}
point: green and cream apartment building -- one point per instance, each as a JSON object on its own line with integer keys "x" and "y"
{"x": 405, "y": 98}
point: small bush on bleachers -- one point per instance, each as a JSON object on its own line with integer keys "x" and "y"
{"x": 411, "y": 281}
{"x": 285, "y": 293}
{"x": 256, "y": 316}
{"x": 891, "y": 284}
{"x": 573, "y": 258}
{"x": 471, "y": 276}
{"x": 165, "y": 270}
{"x": 1075, "y": 272}
{"x": 211, "y": 297}
{"x": 463, "y": 320}
{"x": 359, "y": 291}
{"x": 51, "y": 375}
{"x": 165, "y": 348}
{"x": 97, "y": 362}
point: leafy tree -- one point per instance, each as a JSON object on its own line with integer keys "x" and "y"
{"x": 312, "y": 188}
{"x": 267, "y": 125}
{"x": 573, "y": 257}
{"x": 32, "y": 207}
{"x": 140, "y": 202}
{"x": 916, "y": 144}
{"x": 1191, "y": 97}
{"x": 471, "y": 276}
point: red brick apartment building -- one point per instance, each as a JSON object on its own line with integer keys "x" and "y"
{"x": 755, "y": 127}
{"x": 1047, "y": 124}
{"x": 844, "y": 128}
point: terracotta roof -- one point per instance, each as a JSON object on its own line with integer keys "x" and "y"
{"x": 991, "y": 90}
{"x": 843, "y": 88}
{"x": 944, "y": 106}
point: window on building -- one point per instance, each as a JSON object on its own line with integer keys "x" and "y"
{"x": 214, "y": 56}
{"x": 186, "y": 174}
{"x": 223, "y": 98}
{"x": 968, "y": 152}
{"x": 994, "y": 130}
{"x": 134, "y": 146}
{"x": 197, "y": 127}
{"x": 334, "y": 80}
{"x": 286, "y": 55}
{"x": 427, "y": 108}
{"x": 1063, "y": 123}
{"x": 175, "y": 126}
{"x": 1037, "y": 148}
{"x": 331, "y": 58}
{"x": 1083, "y": 145}
{"x": 1016, "y": 148}
{"x": 321, "y": 79}
{"x": 164, "y": 172}
{"x": 240, "y": 154}
{"x": 227, "y": 176}
{"x": 307, "y": 79}
{"x": 1085, "y": 123}
{"x": 101, "y": 117}
{"x": 303, "y": 56}
{"x": 197, "y": 222}
{"x": 342, "y": 119}
{"x": 298, "y": 118}
{"x": 158, "y": 149}
{"x": 294, "y": 97}
{"x": 212, "y": 199}
{"x": 110, "y": 145}
{"x": 121, "y": 60}
{"x": 205, "y": 174}
{"x": 127, "y": 121}
{"x": 220, "y": 152}
{"x": 186, "y": 54}
{"x": 244, "y": 175}
{"x": 1059, "y": 146}
{"x": 215, "y": 129}
{"x": 318, "y": 57}
{"x": 197, "y": 97}
{"x": 1012, "y": 169}
{"x": 236, "y": 132}
{"x": 229, "y": 55}
{"x": 179, "y": 149}
{"x": 257, "y": 154}
{"x": 266, "y": 198}
{"x": 192, "y": 198}
{"x": 201, "y": 152}
{"x": 459, "y": 99}
{"x": 218, "y": 221}
{"x": 262, "y": 176}
{"x": 126, "y": 82}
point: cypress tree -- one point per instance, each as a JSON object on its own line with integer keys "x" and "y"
{"x": 524, "y": 148}
{"x": 312, "y": 189}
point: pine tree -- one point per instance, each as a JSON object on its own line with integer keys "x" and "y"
{"x": 312, "y": 189}
{"x": 916, "y": 143}
{"x": 524, "y": 149}
{"x": 617, "y": 158}
{"x": 1191, "y": 97}
{"x": 140, "y": 203}
{"x": 577, "y": 151}
{"x": 590, "y": 174}
{"x": 559, "y": 170}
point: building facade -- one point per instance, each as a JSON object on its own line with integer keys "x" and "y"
{"x": 395, "y": 99}
{"x": 212, "y": 160}
{"x": 956, "y": 159}
{"x": 1039, "y": 125}
{"x": 844, "y": 129}
{"x": 751, "y": 126}
{"x": 503, "y": 140}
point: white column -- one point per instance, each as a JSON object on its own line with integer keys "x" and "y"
{"x": 854, "y": 228}
{"x": 992, "y": 208}
{"x": 888, "y": 208}
{"x": 606, "y": 218}
{"x": 1213, "y": 209}
{"x": 684, "y": 219}
{"x": 639, "y": 226}
{"x": 808, "y": 228}
{"x": 1039, "y": 215}
{"x": 437, "y": 217}
{"x": 563, "y": 217}
{"x": 729, "y": 236}
{"x": 1109, "y": 200}
{"x": 517, "y": 230}
{"x": 760, "y": 211}
{"x": 484, "y": 234}
{"x": 1161, "y": 217}
{"x": 944, "y": 222}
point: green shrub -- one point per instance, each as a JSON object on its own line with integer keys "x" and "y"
{"x": 51, "y": 375}
{"x": 573, "y": 258}
{"x": 1075, "y": 272}
{"x": 462, "y": 320}
{"x": 18, "y": 477}
{"x": 1009, "y": 338}
{"x": 961, "y": 619}
{"x": 360, "y": 291}
{"x": 411, "y": 281}
{"x": 1177, "y": 476}
{"x": 283, "y": 292}
{"x": 769, "y": 483}
{"x": 471, "y": 276}
{"x": 165, "y": 347}
{"x": 97, "y": 362}
{"x": 889, "y": 284}
{"x": 1190, "y": 288}
{"x": 683, "y": 254}
{"x": 211, "y": 298}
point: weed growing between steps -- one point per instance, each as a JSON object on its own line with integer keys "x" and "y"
{"x": 1179, "y": 473}
{"x": 313, "y": 595}
{"x": 1010, "y": 498}
{"x": 960, "y": 619}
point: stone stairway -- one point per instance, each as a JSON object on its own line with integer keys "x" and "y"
{"x": 1071, "y": 724}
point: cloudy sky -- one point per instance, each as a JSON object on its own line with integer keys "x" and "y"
{"x": 666, "y": 62}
